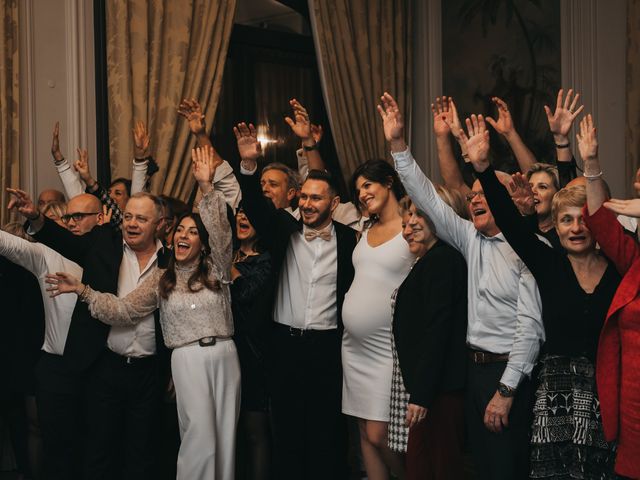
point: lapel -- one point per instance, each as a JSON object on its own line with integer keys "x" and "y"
{"x": 627, "y": 291}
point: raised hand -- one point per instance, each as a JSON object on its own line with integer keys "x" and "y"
{"x": 631, "y": 208}
{"x": 522, "y": 194}
{"x": 587, "y": 140}
{"x": 55, "y": 143}
{"x": 82, "y": 166}
{"x": 107, "y": 213}
{"x": 192, "y": 111}
{"x": 392, "y": 122}
{"x": 21, "y": 201}
{"x": 63, "y": 282}
{"x": 561, "y": 120}
{"x": 477, "y": 142}
{"x": 504, "y": 124}
{"x": 442, "y": 117}
{"x": 141, "y": 141}
{"x": 248, "y": 145}
{"x": 301, "y": 126}
{"x": 203, "y": 167}
{"x": 317, "y": 132}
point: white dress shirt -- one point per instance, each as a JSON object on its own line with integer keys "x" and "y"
{"x": 504, "y": 308}
{"x": 41, "y": 260}
{"x": 306, "y": 295}
{"x": 136, "y": 340}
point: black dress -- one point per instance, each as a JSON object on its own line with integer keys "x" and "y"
{"x": 567, "y": 437}
{"x": 250, "y": 316}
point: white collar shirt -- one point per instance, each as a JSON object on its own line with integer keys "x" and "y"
{"x": 134, "y": 340}
{"x": 306, "y": 294}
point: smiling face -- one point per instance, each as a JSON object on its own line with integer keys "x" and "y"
{"x": 479, "y": 211}
{"x": 416, "y": 232}
{"x": 244, "y": 229}
{"x": 118, "y": 193}
{"x": 141, "y": 223}
{"x": 187, "y": 246}
{"x": 275, "y": 185}
{"x": 317, "y": 203}
{"x": 543, "y": 192}
{"x": 574, "y": 235}
{"x": 373, "y": 195}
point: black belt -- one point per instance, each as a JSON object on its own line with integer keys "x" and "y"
{"x": 479, "y": 356}
{"x": 303, "y": 332}
{"x": 132, "y": 361}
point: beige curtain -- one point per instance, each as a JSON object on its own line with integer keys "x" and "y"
{"x": 159, "y": 52}
{"x": 364, "y": 48}
{"x": 633, "y": 91}
{"x": 9, "y": 103}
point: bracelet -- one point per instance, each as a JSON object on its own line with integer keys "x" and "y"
{"x": 592, "y": 177}
{"x": 311, "y": 148}
{"x": 83, "y": 293}
{"x": 566, "y": 145}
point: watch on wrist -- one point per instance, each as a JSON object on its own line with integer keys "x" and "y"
{"x": 505, "y": 390}
{"x": 309, "y": 148}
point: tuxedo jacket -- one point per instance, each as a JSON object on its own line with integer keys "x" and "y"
{"x": 99, "y": 253}
{"x": 275, "y": 227}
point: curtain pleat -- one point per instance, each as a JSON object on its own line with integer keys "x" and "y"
{"x": 364, "y": 49}
{"x": 9, "y": 104}
{"x": 159, "y": 52}
{"x": 633, "y": 92}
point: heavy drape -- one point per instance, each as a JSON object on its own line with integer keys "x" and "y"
{"x": 633, "y": 91}
{"x": 9, "y": 103}
{"x": 364, "y": 48}
{"x": 159, "y": 52}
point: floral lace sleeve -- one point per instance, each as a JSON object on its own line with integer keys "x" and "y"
{"x": 213, "y": 211}
{"x": 128, "y": 310}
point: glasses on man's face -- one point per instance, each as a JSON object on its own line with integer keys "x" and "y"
{"x": 471, "y": 195}
{"x": 76, "y": 217}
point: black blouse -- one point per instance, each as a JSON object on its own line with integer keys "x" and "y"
{"x": 572, "y": 318}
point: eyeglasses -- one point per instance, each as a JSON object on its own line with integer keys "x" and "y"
{"x": 76, "y": 217}
{"x": 471, "y": 195}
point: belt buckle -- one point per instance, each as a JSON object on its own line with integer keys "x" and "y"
{"x": 478, "y": 357}
{"x": 296, "y": 332}
{"x": 129, "y": 361}
{"x": 207, "y": 341}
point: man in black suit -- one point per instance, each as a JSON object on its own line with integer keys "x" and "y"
{"x": 121, "y": 364}
{"x": 313, "y": 271}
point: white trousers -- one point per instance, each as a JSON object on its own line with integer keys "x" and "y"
{"x": 207, "y": 383}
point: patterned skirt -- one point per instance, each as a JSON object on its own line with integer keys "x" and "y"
{"x": 398, "y": 431}
{"x": 567, "y": 441}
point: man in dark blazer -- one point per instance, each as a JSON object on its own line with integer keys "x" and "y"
{"x": 313, "y": 271}
{"x": 122, "y": 368}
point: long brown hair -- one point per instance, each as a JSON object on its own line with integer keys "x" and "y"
{"x": 199, "y": 279}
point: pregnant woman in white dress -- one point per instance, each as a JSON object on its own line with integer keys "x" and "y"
{"x": 381, "y": 260}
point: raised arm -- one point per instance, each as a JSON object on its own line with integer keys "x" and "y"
{"x": 449, "y": 225}
{"x": 445, "y": 122}
{"x": 561, "y": 121}
{"x": 141, "y": 155}
{"x": 588, "y": 147}
{"x": 68, "y": 176}
{"x": 504, "y": 126}
{"x": 106, "y": 307}
{"x": 301, "y": 127}
{"x": 94, "y": 188}
{"x": 213, "y": 211}
{"x": 29, "y": 255}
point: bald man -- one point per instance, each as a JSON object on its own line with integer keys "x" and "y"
{"x": 84, "y": 212}
{"x": 48, "y": 196}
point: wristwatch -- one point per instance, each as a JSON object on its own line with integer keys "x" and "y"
{"x": 309, "y": 148}
{"x": 505, "y": 390}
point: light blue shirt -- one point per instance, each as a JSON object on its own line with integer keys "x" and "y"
{"x": 504, "y": 308}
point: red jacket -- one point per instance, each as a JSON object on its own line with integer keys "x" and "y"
{"x": 618, "y": 360}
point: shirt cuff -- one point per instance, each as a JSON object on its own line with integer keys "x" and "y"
{"x": 62, "y": 166}
{"x": 245, "y": 171}
{"x": 511, "y": 377}
{"x": 140, "y": 165}
{"x": 402, "y": 157}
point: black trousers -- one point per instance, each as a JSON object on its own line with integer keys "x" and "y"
{"x": 123, "y": 418}
{"x": 305, "y": 378}
{"x": 497, "y": 456}
{"x": 60, "y": 403}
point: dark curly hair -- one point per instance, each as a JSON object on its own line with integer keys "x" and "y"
{"x": 378, "y": 171}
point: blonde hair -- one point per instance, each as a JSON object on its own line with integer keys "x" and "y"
{"x": 453, "y": 198}
{"x": 17, "y": 229}
{"x": 574, "y": 196}
{"x": 547, "y": 168}
{"x": 56, "y": 208}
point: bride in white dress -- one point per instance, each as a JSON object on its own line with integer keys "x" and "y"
{"x": 381, "y": 260}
